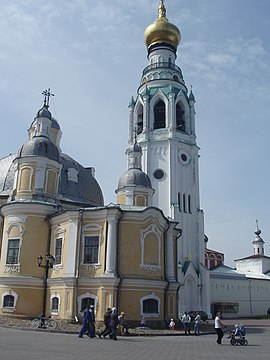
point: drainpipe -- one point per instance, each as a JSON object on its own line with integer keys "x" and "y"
{"x": 250, "y": 299}
{"x": 79, "y": 242}
{"x": 46, "y": 270}
{"x": 118, "y": 263}
{"x": 165, "y": 273}
{"x": 177, "y": 278}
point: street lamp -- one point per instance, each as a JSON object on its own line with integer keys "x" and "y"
{"x": 49, "y": 262}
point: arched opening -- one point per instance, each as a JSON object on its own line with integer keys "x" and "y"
{"x": 140, "y": 119}
{"x": 87, "y": 301}
{"x": 180, "y": 119}
{"x": 159, "y": 115}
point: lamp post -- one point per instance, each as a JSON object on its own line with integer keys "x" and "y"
{"x": 49, "y": 262}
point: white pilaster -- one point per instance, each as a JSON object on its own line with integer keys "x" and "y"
{"x": 111, "y": 253}
{"x": 170, "y": 262}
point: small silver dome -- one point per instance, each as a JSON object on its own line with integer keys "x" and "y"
{"x": 134, "y": 177}
{"x": 44, "y": 112}
{"x": 39, "y": 146}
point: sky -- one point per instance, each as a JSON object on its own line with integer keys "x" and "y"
{"x": 91, "y": 55}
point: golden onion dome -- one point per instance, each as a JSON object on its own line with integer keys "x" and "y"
{"x": 162, "y": 30}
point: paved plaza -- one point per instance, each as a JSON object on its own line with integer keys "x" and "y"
{"x": 30, "y": 345}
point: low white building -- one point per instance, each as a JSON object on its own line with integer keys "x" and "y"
{"x": 244, "y": 291}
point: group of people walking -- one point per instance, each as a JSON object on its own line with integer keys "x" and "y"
{"x": 111, "y": 323}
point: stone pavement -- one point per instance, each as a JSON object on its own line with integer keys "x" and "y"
{"x": 30, "y": 345}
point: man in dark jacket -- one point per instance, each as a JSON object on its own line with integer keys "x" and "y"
{"x": 106, "y": 320}
{"x": 113, "y": 323}
{"x": 92, "y": 320}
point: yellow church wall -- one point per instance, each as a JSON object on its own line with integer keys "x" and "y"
{"x": 66, "y": 304}
{"x": 121, "y": 198}
{"x": 33, "y": 235}
{"x": 148, "y": 263}
{"x": 130, "y": 303}
{"x": 35, "y": 243}
{"x": 29, "y": 303}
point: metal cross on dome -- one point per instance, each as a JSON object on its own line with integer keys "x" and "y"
{"x": 47, "y": 94}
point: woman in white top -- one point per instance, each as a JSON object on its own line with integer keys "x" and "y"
{"x": 218, "y": 327}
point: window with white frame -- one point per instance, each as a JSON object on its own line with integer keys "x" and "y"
{"x": 13, "y": 251}
{"x": 9, "y": 301}
{"x": 85, "y": 302}
{"x": 58, "y": 251}
{"x": 91, "y": 250}
{"x": 150, "y": 305}
{"x": 55, "y": 304}
{"x": 86, "y": 299}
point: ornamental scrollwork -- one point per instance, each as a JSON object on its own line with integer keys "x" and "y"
{"x": 12, "y": 269}
{"x": 91, "y": 268}
{"x": 150, "y": 268}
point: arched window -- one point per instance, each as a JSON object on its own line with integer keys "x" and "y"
{"x": 55, "y": 305}
{"x": 180, "y": 119}
{"x": 51, "y": 180}
{"x": 8, "y": 301}
{"x": 150, "y": 305}
{"x": 140, "y": 119}
{"x": 159, "y": 115}
{"x": 151, "y": 249}
{"x": 87, "y": 301}
{"x": 25, "y": 179}
{"x": 140, "y": 200}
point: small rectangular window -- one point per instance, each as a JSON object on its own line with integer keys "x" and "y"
{"x": 8, "y": 301}
{"x": 179, "y": 202}
{"x": 184, "y": 203}
{"x": 13, "y": 251}
{"x": 55, "y": 305}
{"x": 58, "y": 251}
{"x": 91, "y": 249}
{"x": 189, "y": 204}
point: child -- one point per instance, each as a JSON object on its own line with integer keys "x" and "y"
{"x": 172, "y": 325}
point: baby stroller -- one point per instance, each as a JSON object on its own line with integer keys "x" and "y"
{"x": 238, "y": 335}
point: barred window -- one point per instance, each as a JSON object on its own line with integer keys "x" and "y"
{"x": 150, "y": 306}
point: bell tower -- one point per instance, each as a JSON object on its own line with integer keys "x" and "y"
{"x": 163, "y": 116}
